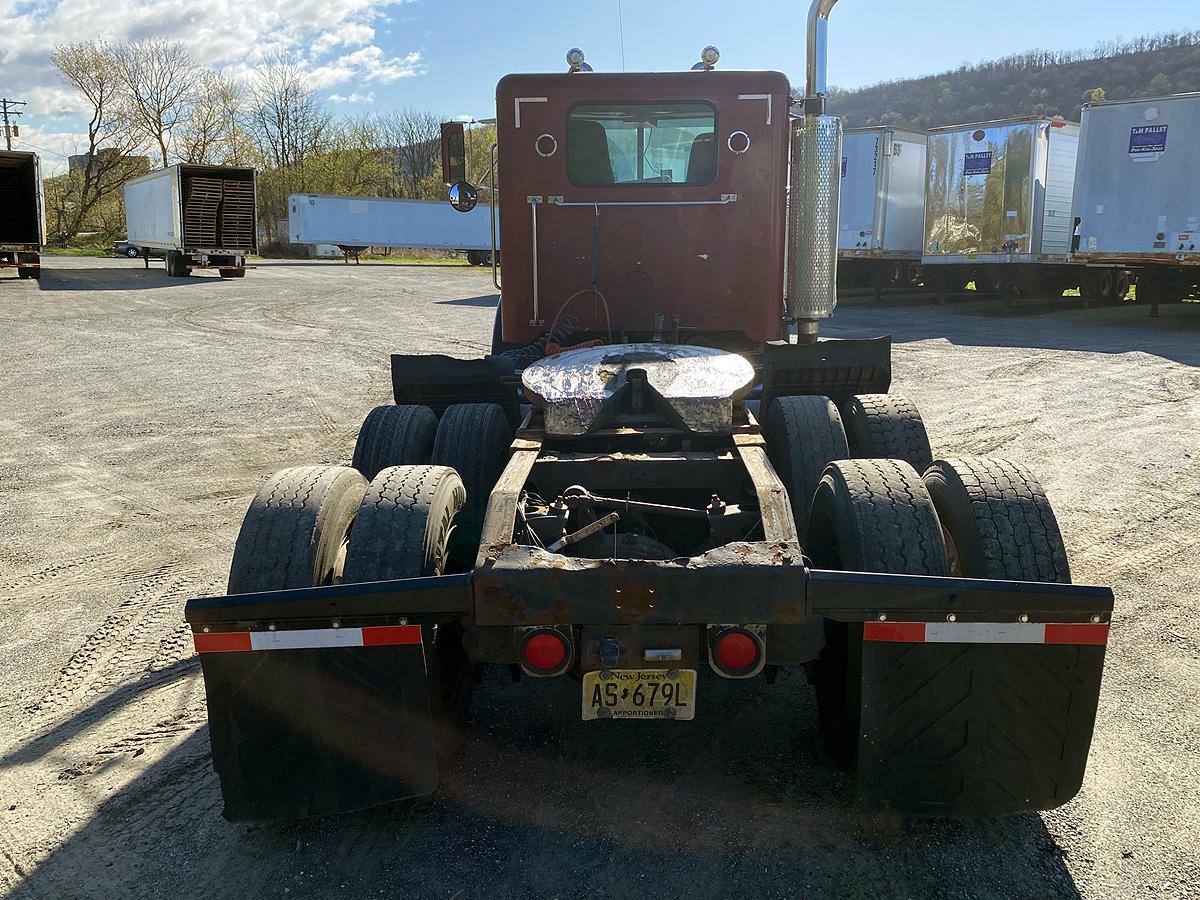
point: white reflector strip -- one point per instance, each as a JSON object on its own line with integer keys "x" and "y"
{"x": 306, "y": 639}
{"x": 985, "y": 633}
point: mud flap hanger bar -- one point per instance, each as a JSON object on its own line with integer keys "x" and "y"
{"x": 431, "y": 599}
{"x": 843, "y": 596}
{"x": 866, "y": 596}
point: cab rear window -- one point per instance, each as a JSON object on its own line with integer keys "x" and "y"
{"x": 642, "y": 143}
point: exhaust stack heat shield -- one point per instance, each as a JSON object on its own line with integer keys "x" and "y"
{"x": 816, "y": 174}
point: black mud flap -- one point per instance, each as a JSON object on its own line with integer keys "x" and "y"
{"x": 439, "y": 381}
{"x": 834, "y": 368}
{"x": 976, "y": 728}
{"x": 975, "y": 697}
{"x": 314, "y": 705}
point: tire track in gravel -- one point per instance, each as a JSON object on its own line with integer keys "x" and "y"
{"x": 110, "y": 653}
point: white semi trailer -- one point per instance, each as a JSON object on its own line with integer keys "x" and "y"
{"x": 198, "y": 217}
{"x": 22, "y": 213}
{"x": 998, "y": 207}
{"x": 1137, "y": 196}
{"x": 355, "y": 223}
{"x": 882, "y": 220}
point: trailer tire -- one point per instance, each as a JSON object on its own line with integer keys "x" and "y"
{"x": 996, "y": 521}
{"x": 403, "y": 530}
{"x": 1096, "y": 285}
{"x": 1120, "y": 288}
{"x": 394, "y": 436}
{"x": 804, "y": 435}
{"x": 177, "y": 264}
{"x": 294, "y": 532}
{"x": 473, "y": 439}
{"x": 870, "y": 515}
{"x": 886, "y": 426}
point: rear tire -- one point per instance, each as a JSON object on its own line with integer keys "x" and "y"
{"x": 394, "y": 436}
{"x": 132, "y": 252}
{"x": 1096, "y": 285}
{"x": 404, "y": 524}
{"x": 886, "y": 426}
{"x": 473, "y": 439}
{"x": 867, "y": 516}
{"x": 996, "y": 521}
{"x": 294, "y": 533}
{"x": 177, "y": 264}
{"x": 804, "y": 435}
{"x": 1120, "y": 288}
{"x": 403, "y": 531}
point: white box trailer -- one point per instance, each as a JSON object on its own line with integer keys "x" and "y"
{"x": 998, "y": 206}
{"x": 22, "y": 213}
{"x": 200, "y": 217}
{"x": 356, "y": 223}
{"x": 1137, "y": 193}
{"x": 882, "y": 218}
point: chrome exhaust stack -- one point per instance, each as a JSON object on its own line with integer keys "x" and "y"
{"x": 815, "y": 179}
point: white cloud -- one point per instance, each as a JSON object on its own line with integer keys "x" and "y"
{"x": 355, "y": 97}
{"x": 336, "y": 39}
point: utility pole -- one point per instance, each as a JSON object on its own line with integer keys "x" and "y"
{"x": 9, "y": 107}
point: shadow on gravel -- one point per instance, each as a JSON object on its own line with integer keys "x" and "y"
{"x": 486, "y": 300}
{"x": 48, "y": 742}
{"x": 133, "y": 278}
{"x": 739, "y": 803}
{"x": 1052, "y": 324}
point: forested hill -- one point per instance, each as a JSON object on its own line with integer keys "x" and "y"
{"x": 1034, "y": 83}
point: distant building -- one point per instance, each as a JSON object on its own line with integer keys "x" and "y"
{"x": 83, "y": 162}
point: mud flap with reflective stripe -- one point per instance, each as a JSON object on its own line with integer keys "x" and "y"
{"x": 971, "y": 696}
{"x": 976, "y": 718}
{"x": 302, "y": 730}
{"x": 319, "y": 699}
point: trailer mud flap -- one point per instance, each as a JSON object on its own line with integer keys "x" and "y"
{"x": 979, "y": 728}
{"x": 316, "y": 706}
{"x": 974, "y": 697}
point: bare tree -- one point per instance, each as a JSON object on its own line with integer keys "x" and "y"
{"x": 415, "y": 138}
{"x": 211, "y": 132}
{"x": 92, "y": 68}
{"x": 291, "y": 129}
{"x": 161, "y": 80}
{"x": 286, "y": 118}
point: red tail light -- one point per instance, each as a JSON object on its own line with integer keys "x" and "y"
{"x": 545, "y": 651}
{"x": 737, "y": 652}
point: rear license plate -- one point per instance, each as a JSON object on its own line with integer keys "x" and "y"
{"x": 639, "y": 694}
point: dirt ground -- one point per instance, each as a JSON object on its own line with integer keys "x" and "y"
{"x": 139, "y": 413}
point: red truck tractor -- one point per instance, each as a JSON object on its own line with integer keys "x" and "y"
{"x": 660, "y": 476}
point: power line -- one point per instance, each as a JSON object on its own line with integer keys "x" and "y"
{"x": 10, "y": 108}
{"x": 41, "y": 149}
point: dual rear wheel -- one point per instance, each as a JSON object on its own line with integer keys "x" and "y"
{"x": 411, "y": 505}
{"x": 971, "y": 518}
{"x": 868, "y": 496}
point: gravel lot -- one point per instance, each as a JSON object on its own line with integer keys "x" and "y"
{"x": 139, "y": 413}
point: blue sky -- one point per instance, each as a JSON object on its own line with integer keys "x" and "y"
{"x": 870, "y": 40}
{"x": 447, "y": 55}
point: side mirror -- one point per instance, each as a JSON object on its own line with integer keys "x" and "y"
{"x": 463, "y": 196}
{"x": 454, "y": 153}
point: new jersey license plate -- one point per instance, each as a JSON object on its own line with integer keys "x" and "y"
{"x": 639, "y": 694}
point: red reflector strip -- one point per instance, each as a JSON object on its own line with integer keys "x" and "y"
{"x": 385, "y": 635}
{"x": 986, "y": 633}
{"x": 223, "y": 642}
{"x": 1077, "y": 633}
{"x": 895, "y": 632}
{"x": 307, "y": 638}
